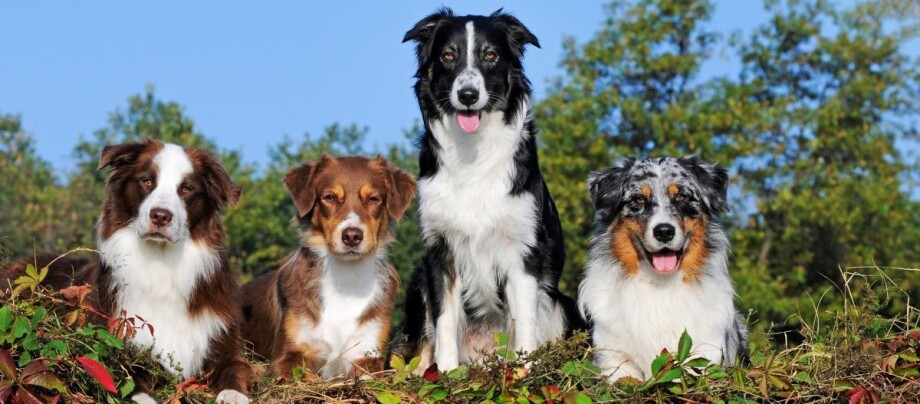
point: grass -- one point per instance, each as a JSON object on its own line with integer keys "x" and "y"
{"x": 850, "y": 353}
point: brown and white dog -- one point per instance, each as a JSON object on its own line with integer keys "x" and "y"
{"x": 162, "y": 258}
{"x": 327, "y": 309}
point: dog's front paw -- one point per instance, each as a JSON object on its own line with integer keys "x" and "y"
{"x": 229, "y": 396}
{"x": 143, "y": 398}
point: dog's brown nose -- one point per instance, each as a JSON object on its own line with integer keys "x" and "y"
{"x": 160, "y": 217}
{"x": 352, "y": 236}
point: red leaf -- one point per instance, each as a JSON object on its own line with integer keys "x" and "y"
{"x": 7, "y": 366}
{"x": 98, "y": 372}
{"x": 431, "y": 374}
{"x": 553, "y": 389}
{"x": 76, "y": 293}
{"x": 914, "y": 335}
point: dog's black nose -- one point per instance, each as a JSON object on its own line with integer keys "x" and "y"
{"x": 663, "y": 232}
{"x": 468, "y": 96}
{"x": 160, "y": 217}
{"x": 352, "y": 236}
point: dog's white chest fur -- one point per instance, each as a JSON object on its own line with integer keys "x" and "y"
{"x": 347, "y": 290}
{"x": 635, "y": 317}
{"x": 157, "y": 284}
{"x": 468, "y": 202}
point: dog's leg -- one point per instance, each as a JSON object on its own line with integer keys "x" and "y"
{"x": 521, "y": 291}
{"x": 448, "y": 326}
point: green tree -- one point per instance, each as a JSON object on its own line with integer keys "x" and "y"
{"x": 834, "y": 97}
{"x": 628, "y": 92}
{"x": 30, "y": 219}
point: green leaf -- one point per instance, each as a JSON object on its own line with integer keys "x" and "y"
{"x": 21, "y": 327}
{"x": 31, "y": 271}
{"x": 414, "y": 362}
{"x": 697, "y": 363}
{"x": 24, "y": 359}
{"x": 683, "y": 346}
{"x": 38, "y": 316}
{"x": 385, "y": 397}
{"x": 6, "y": 318}
{"x": 297, "y": 373}
{"x": 31, "y": 343}
{"x": 659, "y": 362}
{"x": 54, "y": 349}
{"x": 126, "y": 388}
{"x": 582, "y": 398}
{"x": 669, "y": 376}
{"x": 458, "y": 372}
{"x": 438, "y": 395}
{"x": 397, "y": 362}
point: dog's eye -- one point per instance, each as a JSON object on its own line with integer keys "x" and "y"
{"x": 374, "y": 199}
{"x": 146, "y": 182}
{"x": 447, "y": 56}
{"x": 490, "y": 56}
{"x": 680, "y": 197}
{"x": 638, "y": 202}
{"x": 329, "y": 198}
{"x": 185, "y": 189}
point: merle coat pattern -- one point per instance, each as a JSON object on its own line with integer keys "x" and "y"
{"x": 658, "y": 265}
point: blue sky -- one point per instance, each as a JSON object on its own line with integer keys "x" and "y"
{"x": 250, "y": 73}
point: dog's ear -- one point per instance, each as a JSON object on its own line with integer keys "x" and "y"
{"x": 400, "y": 189}
{"x": 301, "y": 183}
{"x": 218, "y": 185}
{"x": 607, "y": 188}
{"x": 713, "y": 182}
{"x": 120, "y": 155}
{"x": 518, "y": 35}
{"x": 424, "y": 30}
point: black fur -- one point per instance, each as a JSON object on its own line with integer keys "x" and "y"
{"x": 507, "y": 87}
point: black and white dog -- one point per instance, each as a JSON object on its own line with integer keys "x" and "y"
{"x": 493, "y": 240}
{"x": 658, "y": 265}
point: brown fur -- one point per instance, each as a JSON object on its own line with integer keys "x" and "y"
{"x": 622, "y": 244}
{"x": 325, "y": 192}
{"x": 697, "y": 252}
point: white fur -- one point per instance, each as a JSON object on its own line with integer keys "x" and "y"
{"x": 172, "y": 167}
{"x": 230, "y": 396}
{"x": 155, "y": 280}
{"x": 348, "y": 289}
{"x": 143, "y": 398}
{"x": 662, "y": 214}
{"x": 468, "y": 201}
{"x": 470, "y": 77}
{"x": 351, "y": 220}
{"x": 636, "y": 316}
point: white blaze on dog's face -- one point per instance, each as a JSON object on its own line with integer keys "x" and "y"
{"x": 656, "y": 212}
{"x": 162, "y": 215}
{"x": 165, "y": 193}
{"x": 468, "y": 64}
{"x": 345, "y": 205}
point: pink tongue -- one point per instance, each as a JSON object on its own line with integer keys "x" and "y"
{"x": 664, "y": 262}
{"x": 469, "y": 121}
